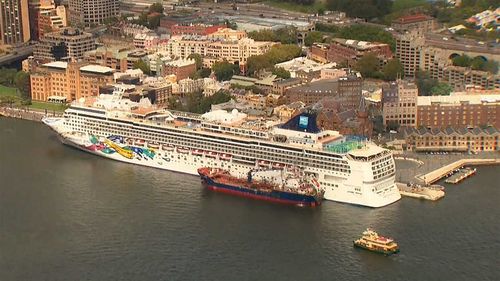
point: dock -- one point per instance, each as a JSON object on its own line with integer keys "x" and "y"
{"x": 460, "y": 175}
{"x": 447, "y": 170}
{"x": 432, "y": 193}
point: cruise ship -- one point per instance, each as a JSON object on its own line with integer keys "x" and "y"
{"x": 112, "y": 126}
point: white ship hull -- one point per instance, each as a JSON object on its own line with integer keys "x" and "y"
{"x": 351, "y": 189}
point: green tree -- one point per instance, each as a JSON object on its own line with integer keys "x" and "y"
{"x": 220, "y": 96}
{"x": 156, "y": 8}
{"x": 7, "y": 76}
{"x": 277, "y": 54}
{"x": 367, "y": 65}
{"x": 441, "y": 89}
{"x": 224, "y": 70}
{"x": 491, "y": 66}
{"x": 313, "y": 37}
{"x": 425, "y": 83}
{"x": 198, "y": 59}
{"x": 231, "y": 24}
{"x": 201, "y": 73}
{"x": 477, "y": 63}
{"x": 392, "y": 70}
{"x": 154, "y": 21}
{"x": 142, "y": 65}
{"x": 22, "y": 82}
{"x": 281, "y": 72}
{"x": 463, "y": 60}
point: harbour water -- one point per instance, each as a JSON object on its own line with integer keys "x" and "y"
{"x": 68, "y": 215}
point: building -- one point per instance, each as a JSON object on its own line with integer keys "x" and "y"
{"x": 188, "y": 85}
{"x": 399, "y": 104}
{"x": 280, "y": 86}
{"x": 68, "y": 44}
{"x": 347, "y": 51}
{"x": 420, "y": 23}
{"x": 183, "y": 46}
{"x": 194, "y": 29}
{"x": 318, "y": 52}
{"x": 488, "y": 19}
{"x": 92, "y": 12}
{"x": 458, "y": 111}
{"x": 434, "y": 53}
{"x": 235, "y": 51}
{"x": 14, "y": 22}
{"x": 227, "y": 34}
{"x": 114, "y": 57}
{"x": 51, "y": 19}
{"x": 181, "y": 68}
{"x": 452, "y": 139}
{"x": 346, "y": 90}
{"x": 304, "y": 68}
{"x": 70, "y": 81}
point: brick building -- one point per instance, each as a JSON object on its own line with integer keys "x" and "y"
{"x": 68, "y": 44}
{"x": 350, "y": 51}
{"x": 458, "y": 111}
{"x": 182, "y": 68}
{"x": 194, "y": 29}
{"x": 419, "y": 23}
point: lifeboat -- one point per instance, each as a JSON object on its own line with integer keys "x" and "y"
{"x": 182, "y": 150}
{"x": 211, "y": 154}
{"x": 154, "y": 145}
{"x": 225, "y": 156}
{"x": 278, "y": 165}
{"x": 167, "y": 147}
{"x": 197, "y": 152}
{"x": 262, "y": 162}
{"x": 140, "y": 142}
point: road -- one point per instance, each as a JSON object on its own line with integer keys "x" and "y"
{"x": 19, "y": 54}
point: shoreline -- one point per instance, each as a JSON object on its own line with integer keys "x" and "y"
{"x": 27, "y": 114}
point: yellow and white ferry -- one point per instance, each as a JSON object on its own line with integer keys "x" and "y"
{"x": 373, "y": 242}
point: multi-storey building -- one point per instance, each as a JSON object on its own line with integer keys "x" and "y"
{"x": 89, "y": 12}
{"x": 71, "y": 81}
{"x": 346, "y": 90}
{"x": 419, "y": 23}
{"x": 114, "y": 57}
{"x": 350, "y": 51}
{"x": 319, "y": 52}
{"x": 52, "y": 19}
{"x": 458, "y": 111}
{"x": 434, "y": 53}
{"x": 194, "y": 29}
{"x": 14, "y": 22}
{"x": 68, "y": 44}
{"x": 181, "y": 68}
{"x": 183, "y": 46}
{"x": 399, "y": 101}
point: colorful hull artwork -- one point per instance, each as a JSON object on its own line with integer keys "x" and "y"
{"x": 112, "y": 144}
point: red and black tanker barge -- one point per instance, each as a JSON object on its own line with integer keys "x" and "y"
{"x": 303, "y": 194}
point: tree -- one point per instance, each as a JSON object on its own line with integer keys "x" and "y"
{"x": 477, "y": 63}
{"x": 392, "y": 70}
{"x": 7, "y": 76}
{"x": 313, "y": 37}
{"x": 491, "y": 66}
{"x": 425, "y": 83}
{"x": 366, "y": 9}
{"x": 154, "y": 21}
{"x": 201, "y": 73}
{"x": 22, "y": 82}
{"x": 231, "y": 24}
{"x": 277, "y": 54}
{"x": 224, "y": 70}
{"x": 463, "y": 60}
{"x": 156, "y": 8}
{"x": 441, "y": 89}
{"x": 281, "y": 72}
{"x": 142, "y": 65}
{"x": 368, "y": 65}
{"x": 198, "y": 60}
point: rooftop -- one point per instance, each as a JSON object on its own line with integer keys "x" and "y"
{"x": 97, "y": 69}
{"x": 412, "y": 19}
{"x": 56, "y": 64}
{"x": 457, "y": 99}
{"x": 360, "y": 45}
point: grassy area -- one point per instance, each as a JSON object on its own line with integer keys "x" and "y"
{"x": 8, "y": 91}
{"x": 400, "y": 5}
{"x": 318, "y": 4}
{"x": 47, "y": 105}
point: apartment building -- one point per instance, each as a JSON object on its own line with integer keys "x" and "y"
{"x": 181, "y": 68}
{"x": 183, "y": 46}
{"x": 89, "y": 12}
{"x": 347, "y": 51}
{"x": 419, "y": 22}
{"x": 194, "y": 29}
{"x": 68, "y": 44}
{"x": 69, "y": 81}
{"x": 399, "y": 104}
{"x": 14, "y": 22}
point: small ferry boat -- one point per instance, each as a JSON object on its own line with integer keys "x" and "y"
{"x": 286, "y": 189}
{"x": 373, "y": 242}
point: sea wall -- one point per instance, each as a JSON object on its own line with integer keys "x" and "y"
{"x": 27, "y": 114}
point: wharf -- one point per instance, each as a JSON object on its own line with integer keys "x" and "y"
{"x": 444, "y": 171}
{"x": 460, "y": 175}
{"x": 25, "y": 114}
{"x": 432, "y": 193}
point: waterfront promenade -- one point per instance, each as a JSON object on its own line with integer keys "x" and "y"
{"x": 27, "y": 113}
{"x": 436, "y": 167}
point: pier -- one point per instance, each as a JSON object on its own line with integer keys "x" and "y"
{"x": 23, "y": 113}
{"x": 434, "y": 176}
{"x": 460, "y": 175}
{"x": 432, "y": 193}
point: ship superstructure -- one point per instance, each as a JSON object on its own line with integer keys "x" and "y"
{"x": 349, "y": 171}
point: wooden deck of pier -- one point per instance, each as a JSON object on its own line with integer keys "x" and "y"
{"x": 440, "y": 173}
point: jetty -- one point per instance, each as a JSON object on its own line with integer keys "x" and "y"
{"x": 460, "y": 175}
{"x": 447, "y": 170}
{"x": 432, "y": 193}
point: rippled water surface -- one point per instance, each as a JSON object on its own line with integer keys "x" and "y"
{"x": 68, "y": 215}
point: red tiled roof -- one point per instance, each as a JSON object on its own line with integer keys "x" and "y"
{"x": 413, "y": 18}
